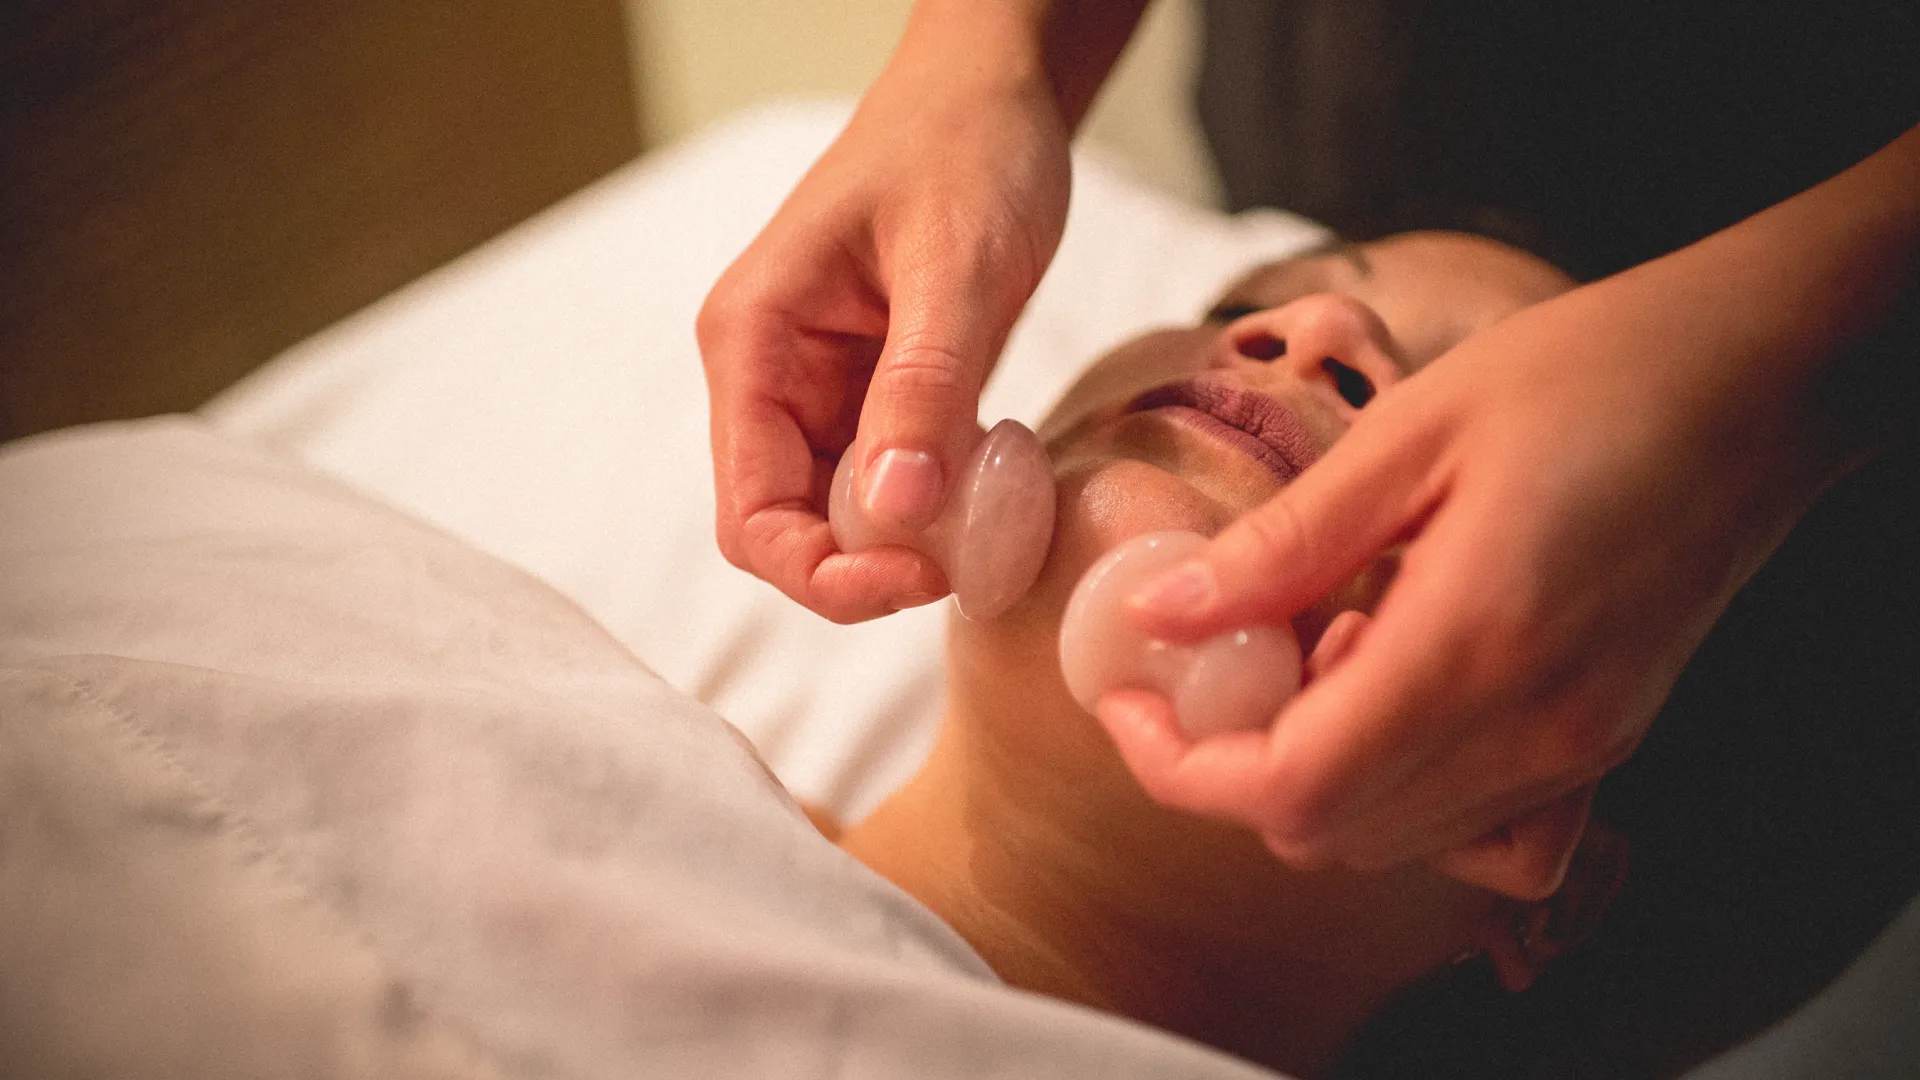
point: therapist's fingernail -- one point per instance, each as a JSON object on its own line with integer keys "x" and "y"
{"x": 1187, "y": 589}
{"x": 904, "y": 487}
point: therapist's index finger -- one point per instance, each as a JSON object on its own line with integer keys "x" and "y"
{"x": 800, "y": 559}
{"x": 1351, "y": 737}
{"x": 849, "y": 588}
{"x": 1355, "y": 738}
{"x": 1336, "y": 518}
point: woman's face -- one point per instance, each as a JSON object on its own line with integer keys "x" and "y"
{"x": 1190, "y": 428}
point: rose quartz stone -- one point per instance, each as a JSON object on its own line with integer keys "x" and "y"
{"x": 992, "y": 536}
{"x": 1234, "y": 682}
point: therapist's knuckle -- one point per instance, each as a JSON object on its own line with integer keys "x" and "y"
{"x": 923, "y": 372}
{"x": 713, "y": 313}
{"x": 732, "y": 327}
{"x": 718, "y": 316}
{"x": 926, "y": 359}
{"x": 727, "y": 534}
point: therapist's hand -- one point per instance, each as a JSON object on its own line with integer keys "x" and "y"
{"x": 1581, "y": 489}
{"x": 880, "y": 296}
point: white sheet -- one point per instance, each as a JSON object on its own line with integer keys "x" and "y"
{"x": 542, "y": 398}
{"x": 295, "y": 788}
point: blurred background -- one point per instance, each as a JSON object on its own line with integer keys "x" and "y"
{"x": 188, "y": 187}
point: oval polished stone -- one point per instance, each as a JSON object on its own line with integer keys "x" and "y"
{"x": 1236, "y": 681}
{"x": 991, "y": 537}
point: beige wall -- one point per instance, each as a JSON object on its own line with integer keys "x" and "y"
{"x": 190, "y": 187}
{"x": 695, "y": 61}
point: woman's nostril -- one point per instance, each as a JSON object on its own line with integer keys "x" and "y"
{"x": 1356, "y": 389}
{"x": 1261, "y": 347}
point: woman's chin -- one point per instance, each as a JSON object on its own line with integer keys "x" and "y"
{"x": 1103, "y": 504}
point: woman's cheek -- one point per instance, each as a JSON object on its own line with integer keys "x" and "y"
{"x": 1153, "y": 359}
{"x": 1104, "y": 503}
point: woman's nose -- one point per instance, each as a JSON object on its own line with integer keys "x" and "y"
{"x": 1332, "y": 342}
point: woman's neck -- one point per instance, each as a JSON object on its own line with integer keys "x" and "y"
{"x": 1062, "y": 899}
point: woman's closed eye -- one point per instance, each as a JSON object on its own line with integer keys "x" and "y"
{"x": 1227, "y": 311}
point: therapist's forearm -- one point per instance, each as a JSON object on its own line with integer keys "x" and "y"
{"x": 1072, "y": 44}
{"x": 1798, "y": 285}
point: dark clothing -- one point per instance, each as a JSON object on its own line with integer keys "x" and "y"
{"x": 1598, "y": 135}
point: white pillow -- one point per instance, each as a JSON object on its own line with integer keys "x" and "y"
{"x": 542, "y": 398}
{"x": 294, "y": 786}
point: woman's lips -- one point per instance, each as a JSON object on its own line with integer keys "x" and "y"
{"x": 1261, "y": 426}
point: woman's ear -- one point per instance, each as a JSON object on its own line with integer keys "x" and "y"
{"x": 1521, "y": 937}
{"x": 1527, "y": 858}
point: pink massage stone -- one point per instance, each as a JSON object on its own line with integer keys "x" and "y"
{"x": 992, "y": 536}
{"x": 1234, "y": 682}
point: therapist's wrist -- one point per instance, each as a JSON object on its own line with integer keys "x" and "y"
{"x": 1784, "y": 317}
{"x": 1063, "y": 48}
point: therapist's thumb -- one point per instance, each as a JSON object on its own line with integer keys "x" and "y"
{"x": 1281, "y": 557}
{"x": 945, "y": 328}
